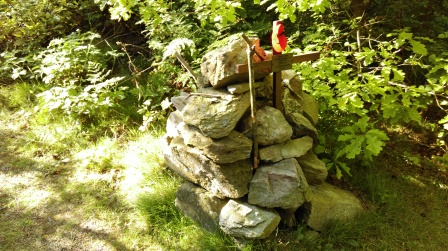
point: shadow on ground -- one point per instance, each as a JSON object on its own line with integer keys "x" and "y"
{"x": 42, "y": 208}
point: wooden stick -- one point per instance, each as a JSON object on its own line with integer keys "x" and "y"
{"x": 250, "y": 53}
{"x": 249, "y": 43}
{"x": 186, "y": 66}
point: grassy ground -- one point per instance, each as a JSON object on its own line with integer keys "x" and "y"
{"x": 61, "y": 190}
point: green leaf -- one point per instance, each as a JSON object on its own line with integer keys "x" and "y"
{"x": 17, "y": 72}
{"x": 398, "y": 75}
{"x": 378, "y": 133}
{"x": 354, "y": 148}
{"x": 418, "y": 48}
{"x": 354, "y": 243}
{"x": 338, "y": 172}
{"x": 402, "y": 37}
{"x": 389, "y": 111}
{"x": 165, "y": 104}
{"x": 443, "y": 35}
{"x": 368, "y": 56}
{"x": 319, "y": 149}
{"x": 385, "y": 72}
{"x": 444, "y": 120}
{"x": 414, "y": 114}
{"x": 374, "y": 144}
{"x": 346, "y": 137}
{"x": 362, "y": 123}
{"x": 344, "y": 167}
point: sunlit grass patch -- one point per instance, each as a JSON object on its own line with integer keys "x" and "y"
{"x": 101, "y": 157}
{"x": 173, "y": 230}
{"x": 20, "y": 95}
{"x": 26, "y": 189}
{"x": 145, "y": 170}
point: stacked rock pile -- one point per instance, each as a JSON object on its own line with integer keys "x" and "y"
{"x": 209, "y": 144}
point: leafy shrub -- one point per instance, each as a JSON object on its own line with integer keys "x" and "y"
{"x": 437, "y": 78}
{"x": 362, "y": 84}
{"x": 79, "y": 76}
{"x": 28, "y": 26}
{"x": 155, "y": 94}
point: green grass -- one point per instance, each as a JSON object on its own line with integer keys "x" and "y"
{"x": 64, "y": 188}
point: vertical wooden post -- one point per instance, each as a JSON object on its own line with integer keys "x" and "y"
{"x": 278, "y": 90}
{"x": 277, "y": 76}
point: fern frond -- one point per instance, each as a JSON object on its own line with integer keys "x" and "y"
{"x": 177, "y": 45}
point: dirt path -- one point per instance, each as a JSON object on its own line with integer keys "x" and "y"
{"x": 49, "y": 205}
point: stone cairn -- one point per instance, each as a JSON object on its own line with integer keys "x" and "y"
{"x": 208, "y": 143}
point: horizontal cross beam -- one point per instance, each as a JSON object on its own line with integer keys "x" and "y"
{"x": 267, "y": 64}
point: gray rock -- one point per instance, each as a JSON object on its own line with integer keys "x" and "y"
{"x": 180, "y": 101}
{"x": 241, "y": 219}
{"x": 310, "y": 107}
{"x": 288, "y": 217}
{"x": 227, "y": 149}
{"x": 219, "y": 66}
{"x": 215, "y": 112}
{"x": 314, "y": 169}
{"x": 243, "y": 87}
{"x": 174, "y": 119}
{"x": 272, "y": 126}
{"x": 291, "y": 78}
{"x": 291, "y": 102}
{"x": 297, "y": 101}
{"x": 292, "y": 99}
{"x": 265, "y": 92}
{"x": 330, "y": 203}
{"x": 301, "y": 126}
{"x": 291, "y": 149}
{"x": 279, "y": 185}
{"x": 225, "y": 180}
{"x": 202, "y": 82}
{"x": 200, "y": 205}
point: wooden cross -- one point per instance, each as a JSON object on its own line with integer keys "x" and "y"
{"x": 277, "y": 64}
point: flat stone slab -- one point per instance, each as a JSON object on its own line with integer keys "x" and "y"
{"x": 281, "y": 184}
{"x": 218, "y": 66}
{"x": 330, "y": 203}
{"x": 227, "y": 149}
{"x": 301, "y": 125}
{"x": 215, "y": 112}
{"x": 222, "y": 180}
{"x": 291, "y": 149}
{"x": 314, "y": 169}
{"x": 200, "y": 205}
{"x": 243, "y": 87}
{"x": 241, "y": 219}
